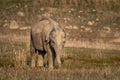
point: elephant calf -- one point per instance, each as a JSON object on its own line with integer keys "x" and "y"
{"x": 47, "y": 36}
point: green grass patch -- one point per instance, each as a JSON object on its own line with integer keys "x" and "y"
{"x": 76, "y": 58}
{"x": 6, "y": 62}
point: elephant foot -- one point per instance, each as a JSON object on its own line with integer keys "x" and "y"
{"x": 41, "y": 68}
{"x": 40, "y": 61}
{"x": 58, "y": 66}
{"x": 32, "y": 64}
{"x": 40, "y": 65}
{"x": 50, "y": 67}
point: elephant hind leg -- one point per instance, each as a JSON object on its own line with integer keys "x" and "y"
{"x": 40, "y": 59}
{"x": 33, "y": 61}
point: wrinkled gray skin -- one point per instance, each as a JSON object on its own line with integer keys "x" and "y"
{"x": 47, "y": 37}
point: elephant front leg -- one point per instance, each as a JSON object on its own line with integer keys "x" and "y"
{"x": 50, "y": 57}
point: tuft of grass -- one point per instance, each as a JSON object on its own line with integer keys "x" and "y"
{"x": 12, "y": 54}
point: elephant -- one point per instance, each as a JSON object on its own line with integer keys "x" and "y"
{"x": 46, "y": 37}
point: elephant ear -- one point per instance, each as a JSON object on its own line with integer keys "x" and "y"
{"x": 49, "y": 35}
{"x": 52, "y": 34}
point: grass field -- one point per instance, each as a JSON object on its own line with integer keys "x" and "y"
{"x": 92, "y": 50}
{"x": 77, "y": 64}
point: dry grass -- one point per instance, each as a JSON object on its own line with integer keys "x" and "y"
{"x": 77, "y": 63}
{"x": 92, "y": 50}
{"x": 13, "y": 50}
{"x": 107, "y": 73}
{"x": 19, "y": 59}
{"x": 97, "y": 44}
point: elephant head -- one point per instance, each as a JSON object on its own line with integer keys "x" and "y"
{"x": 57, "y": 41}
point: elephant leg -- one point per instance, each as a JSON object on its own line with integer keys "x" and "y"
{"x": 33, "y": 61}
{"x": 53, "y": 56}
{"x": 33, "y": 56}
{"x": 50, "y": 57}
{"x": 40, "y": 59}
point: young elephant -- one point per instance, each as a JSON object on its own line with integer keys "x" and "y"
{"x": 47, "y": 37}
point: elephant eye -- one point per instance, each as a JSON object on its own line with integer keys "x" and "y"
{"x": 52, "y": 42}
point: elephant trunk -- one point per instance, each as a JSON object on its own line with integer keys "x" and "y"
{"x": 58, "y": 55}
